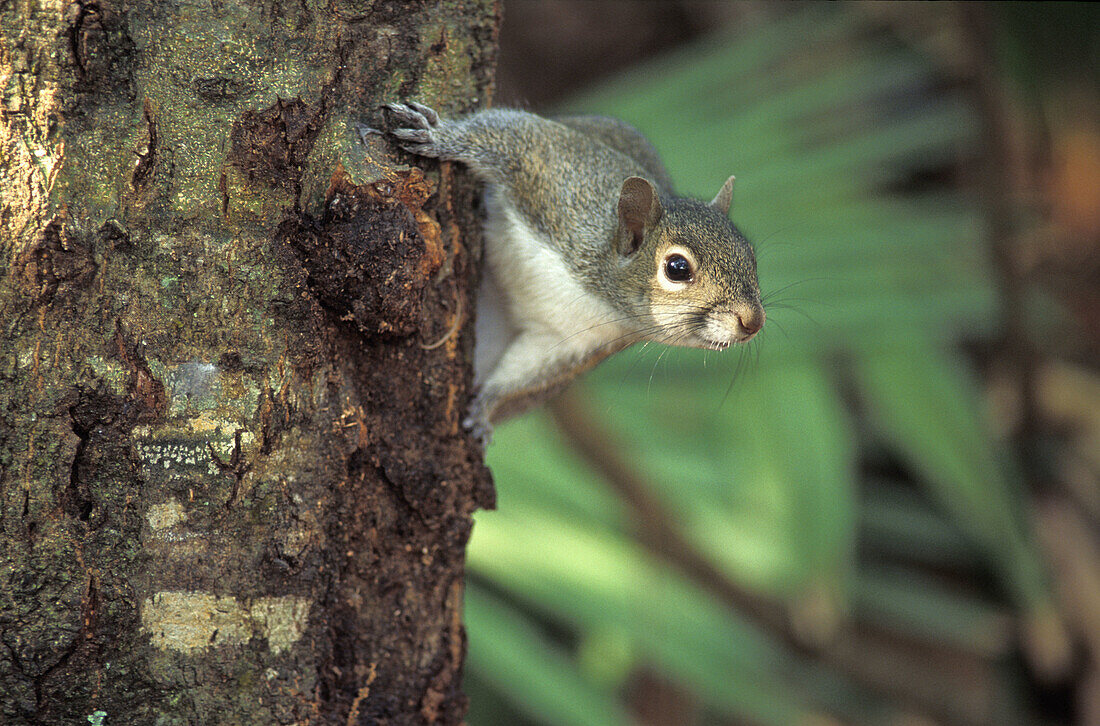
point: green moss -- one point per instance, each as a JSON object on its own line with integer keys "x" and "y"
{"x": 111, "y": 372}
{"x": 447, "y": 73}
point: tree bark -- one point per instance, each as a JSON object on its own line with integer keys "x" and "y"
{"x": 234, "y": 487}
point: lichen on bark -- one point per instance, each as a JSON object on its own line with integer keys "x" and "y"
{"x": 233, "y": 483}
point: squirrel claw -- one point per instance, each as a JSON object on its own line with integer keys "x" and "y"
{"x": 427, "y": 112}
{"x": 365, "y": 131}
{"x": 413, "y": 115}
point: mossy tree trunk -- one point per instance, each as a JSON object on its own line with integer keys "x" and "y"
{"x": 233, "y": 363}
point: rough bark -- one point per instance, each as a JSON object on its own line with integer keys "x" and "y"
{"x": 233, "y": 483}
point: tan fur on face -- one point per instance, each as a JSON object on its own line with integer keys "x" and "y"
{"x": 707, "y": 311}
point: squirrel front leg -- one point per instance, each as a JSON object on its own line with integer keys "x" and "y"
{"x": 489, "y": 142}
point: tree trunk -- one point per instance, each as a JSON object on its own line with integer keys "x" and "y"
{"x": 234, "y": 487}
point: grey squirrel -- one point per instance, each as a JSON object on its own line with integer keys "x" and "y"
{"x": 587, "y": 249}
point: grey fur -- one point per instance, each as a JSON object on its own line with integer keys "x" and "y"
{"x": 564, "y": 180}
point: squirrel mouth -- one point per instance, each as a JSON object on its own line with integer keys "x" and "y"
{"x": 713, "y": 345}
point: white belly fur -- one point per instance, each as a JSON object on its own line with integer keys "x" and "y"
{"x": 527, "y": 286}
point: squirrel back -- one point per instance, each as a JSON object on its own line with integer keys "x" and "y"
{"x": 627, "y": 140}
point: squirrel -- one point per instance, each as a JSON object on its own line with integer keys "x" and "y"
{"x": 587, "y": 250}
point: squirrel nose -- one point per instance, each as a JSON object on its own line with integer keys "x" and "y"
{"x": 751, "y": 318}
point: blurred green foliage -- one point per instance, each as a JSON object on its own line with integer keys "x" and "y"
{"x": 872, "y": 275}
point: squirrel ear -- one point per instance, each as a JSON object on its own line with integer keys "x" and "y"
{"x": 724, "y": 198}
{"x": 639, "y": 208}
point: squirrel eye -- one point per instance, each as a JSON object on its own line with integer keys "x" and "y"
{"x": 678, "y": 269}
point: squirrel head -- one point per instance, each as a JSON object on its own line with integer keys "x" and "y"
{"x": 688, "y": 268}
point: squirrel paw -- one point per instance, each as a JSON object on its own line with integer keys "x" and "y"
{"x": 413, "y": 126}
{"x": 477, "y": 423}
{"x": 482, "y": 431}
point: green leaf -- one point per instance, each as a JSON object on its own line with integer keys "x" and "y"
{"x": 921, "y": 607}
{"x": 592, "y": 580}
{"x": 761, "y": 483}
{"x": 529, "y": 457}
{"x": 926, "y": 405}
{"x": 897, "y": 524}
{"x": 530, "y": 671}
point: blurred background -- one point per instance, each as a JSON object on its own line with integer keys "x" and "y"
{"x": 886, "y": 509}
